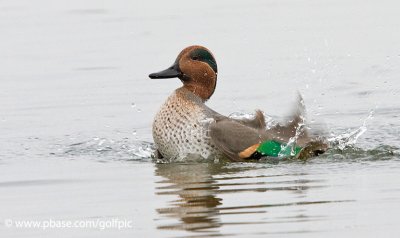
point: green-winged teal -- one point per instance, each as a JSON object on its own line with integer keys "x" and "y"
{"x": 185, "y": 126}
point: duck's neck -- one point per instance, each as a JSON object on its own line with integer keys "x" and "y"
{"x": 204, "y": 88}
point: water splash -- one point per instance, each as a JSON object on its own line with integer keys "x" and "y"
{"x": 241, "y": 115}
{"x": 299, "y": 129}
{"x": 293, "y": 140}
{"x": 354, "y": 153}
{"x": 134, "y": 106}
{"x": 110, "y": 149}
{"x": 346, "y": 139}
{"x": 350, "y": 138}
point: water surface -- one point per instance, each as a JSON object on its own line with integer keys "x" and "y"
{"x": 76, "y": 109}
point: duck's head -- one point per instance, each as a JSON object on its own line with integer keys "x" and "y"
{"x": 196, "y": 67}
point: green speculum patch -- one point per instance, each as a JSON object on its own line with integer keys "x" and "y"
{"x": 276, "y": 149}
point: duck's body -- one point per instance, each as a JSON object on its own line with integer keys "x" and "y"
{"x": 181, "y": 126}
{"x": 185, "y": 126}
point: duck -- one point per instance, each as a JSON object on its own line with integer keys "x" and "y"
{"x": 185, "y": 127}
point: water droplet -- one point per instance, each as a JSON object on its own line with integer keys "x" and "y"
{"x": 205, "y": 74}
{"x": 134, "y": 132}
{"x": 133, "y": 105}
{"x": 139, "y": 110}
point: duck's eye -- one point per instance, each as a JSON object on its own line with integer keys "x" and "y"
{"x": 195, "y": 57}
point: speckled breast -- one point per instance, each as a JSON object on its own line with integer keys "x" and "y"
{"x": 180, "y": 128}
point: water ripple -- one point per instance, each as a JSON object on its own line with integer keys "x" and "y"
{"x": 105, "y": 149}
{"x": 204, "y": 195}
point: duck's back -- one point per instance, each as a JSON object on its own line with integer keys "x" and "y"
{"x": 180, "y": 128}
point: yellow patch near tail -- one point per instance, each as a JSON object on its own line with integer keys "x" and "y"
{"x": 249, "y": 151}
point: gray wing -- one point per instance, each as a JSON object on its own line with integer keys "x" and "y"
{"x": 258, "y": 122}
{"x": 232, "y": 137}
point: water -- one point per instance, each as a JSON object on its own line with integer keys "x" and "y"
{"x": 76, "y": 108}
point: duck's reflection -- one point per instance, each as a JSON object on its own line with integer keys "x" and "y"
{"x": 197, "y": 190}
{"x": 193, "y": 183}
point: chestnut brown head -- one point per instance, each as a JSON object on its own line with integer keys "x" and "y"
{"x": 196, "y": 67}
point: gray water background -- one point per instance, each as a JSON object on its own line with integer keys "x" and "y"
{"x": 76, "y": 108}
